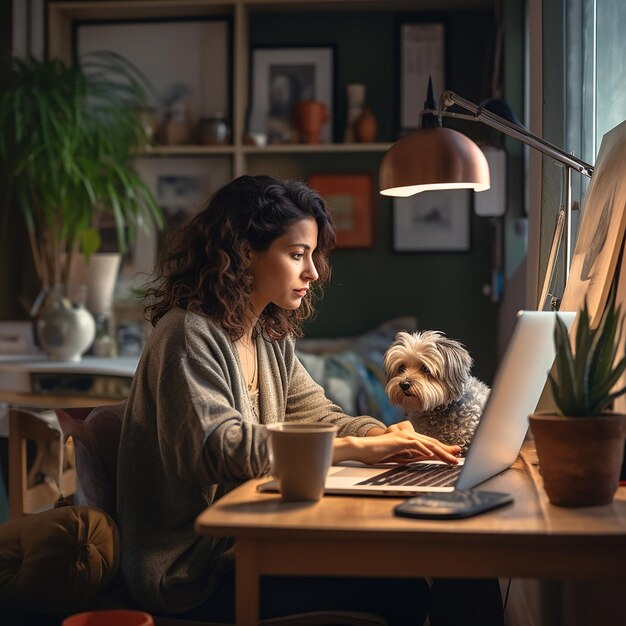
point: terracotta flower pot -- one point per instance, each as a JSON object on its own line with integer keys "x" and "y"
{"x": 580, "y": 458}
{"x": 119, "y": 617}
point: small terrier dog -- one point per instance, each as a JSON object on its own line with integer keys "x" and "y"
{"x": 428, "y": 375}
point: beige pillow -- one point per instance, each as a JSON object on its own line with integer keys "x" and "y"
{"x": 56, "y": 561}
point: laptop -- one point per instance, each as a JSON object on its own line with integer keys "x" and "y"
{"x": 517, "y": 387}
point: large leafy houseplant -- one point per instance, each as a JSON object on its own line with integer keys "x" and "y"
{"x": 581, "y": 448}
{"x": 67, "y": 136}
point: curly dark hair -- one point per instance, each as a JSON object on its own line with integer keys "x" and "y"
{"x": 205, "y": 266}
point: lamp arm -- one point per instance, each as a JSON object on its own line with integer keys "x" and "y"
{"x": 448, "y": 98}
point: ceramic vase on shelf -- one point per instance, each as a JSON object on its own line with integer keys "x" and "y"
{"x": 97, "y": 278}
{"x": 311, "y": 116}
{"x": 366, "y": 126}
{"x": 355, "y": 95}
{"x": 213, "y": 131}
{"x": 147, "y": 119}
{"x": 65, "y": 328}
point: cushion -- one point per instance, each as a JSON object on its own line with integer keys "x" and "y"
{"x": 96, "y": 442}
{"x": 381, "y": 336}
{"x": 353, "y": 376}
{"x": 56, "y": 561}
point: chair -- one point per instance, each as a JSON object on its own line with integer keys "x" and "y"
{"x": 52, "y": 474}
{"x": 95, "y": 434}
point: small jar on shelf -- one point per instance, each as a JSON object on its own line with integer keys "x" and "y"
{"x": 213, "y": 131}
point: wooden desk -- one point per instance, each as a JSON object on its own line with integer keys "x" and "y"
{"x": 345, "y": 535}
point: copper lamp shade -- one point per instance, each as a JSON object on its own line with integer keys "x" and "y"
{"x": 433, "y": 158}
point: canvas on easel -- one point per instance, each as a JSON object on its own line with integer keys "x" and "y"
{"x": 601, "y": 230}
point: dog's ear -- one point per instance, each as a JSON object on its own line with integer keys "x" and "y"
{"x": 457, "y": 361}
{"x": 394, "y": 352}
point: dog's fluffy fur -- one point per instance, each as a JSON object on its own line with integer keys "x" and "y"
{"x": 428, "y": 375}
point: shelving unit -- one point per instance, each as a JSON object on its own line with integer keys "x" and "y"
{"x": 364, "y": 35}
{"x": 224, "y": 162}
{"x": 63, "y": 15}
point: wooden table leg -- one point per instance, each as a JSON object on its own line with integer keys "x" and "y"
{"x": 246, "y": 583}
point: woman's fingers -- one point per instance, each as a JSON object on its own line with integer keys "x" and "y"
{"x": 407, "y": 456}
{"x": 436, "y": 441}
{"x": 442, "y": 450}
{"x": 426, "y": 447}
{"x": 434, "y": 446}
{"x": 404, "y": 446}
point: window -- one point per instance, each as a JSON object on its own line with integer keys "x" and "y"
{"x": 596, "y": 72}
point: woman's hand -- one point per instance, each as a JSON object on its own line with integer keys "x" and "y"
{"x": 404, "y": 425}
{"x": 398, "y": 444}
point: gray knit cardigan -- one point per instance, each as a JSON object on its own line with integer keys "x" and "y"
{"x": 189, "y": 436}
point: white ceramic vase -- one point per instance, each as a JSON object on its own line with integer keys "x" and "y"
{"x": 65, "y": 329}
{"x": 99, "y": 276}
{"x": 355, "y": 95}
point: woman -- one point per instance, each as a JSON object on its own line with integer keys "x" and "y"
{"x": 230, "y": 294}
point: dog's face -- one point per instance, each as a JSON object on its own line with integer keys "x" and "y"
{"x": 425, "y": 370}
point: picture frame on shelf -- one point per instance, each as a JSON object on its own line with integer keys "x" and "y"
{"x": 181, "y": 195}
{"x": 280, "y": 77}
{"x": 422, "y": 56}
{"x": 432, "y": 221}
{"x": 181, "y": 186}
{"x": 189, "y": 69}
{"x": 350, "y": 199}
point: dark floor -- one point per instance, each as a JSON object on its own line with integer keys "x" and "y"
{"x": 14, "y": 619}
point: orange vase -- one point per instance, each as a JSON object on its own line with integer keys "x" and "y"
{"x": 311, "y": 116}
{"x": 366, "y": 126}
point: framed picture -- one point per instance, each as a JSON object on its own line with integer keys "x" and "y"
{"x": 422, "y": 56}
{"x": 432, "y": 221}
{"x": 181, "y": 187}
{"x": 189, "y": 68}
{"x": 350, "y": 200}
{"x": 280, "y": 78}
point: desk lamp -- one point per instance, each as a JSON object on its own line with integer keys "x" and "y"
{"x": 434, "y": 158}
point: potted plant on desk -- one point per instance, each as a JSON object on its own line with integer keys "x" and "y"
{"x": 581, "y": 448}
{"x": 68, "y": 134}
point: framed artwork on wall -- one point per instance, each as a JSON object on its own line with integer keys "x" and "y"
{"x": 280, "y": 78}
{"x": 189, "y": 67}
{"x": 432, "y": 221}
{"x": 181, "y": 187}
{"x": 422, "y": 56}
{"x": 350, "y": 200}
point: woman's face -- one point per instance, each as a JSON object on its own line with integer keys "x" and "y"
{"x": 283, "y": 273}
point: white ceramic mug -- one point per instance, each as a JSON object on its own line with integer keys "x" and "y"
{"x": 301, "y": 454}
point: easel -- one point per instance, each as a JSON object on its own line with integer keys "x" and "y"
{"x": 601, "y": 233}
{"x": 598, "y": 261}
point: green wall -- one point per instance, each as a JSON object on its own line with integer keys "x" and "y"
{"x": 370, "y": 286}
{"x": 553, "y": 15}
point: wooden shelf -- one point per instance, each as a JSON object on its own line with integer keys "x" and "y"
{"x": 188, "y": 150}
{"x": 317, "y": 148}
{"x": 196, "y": 150}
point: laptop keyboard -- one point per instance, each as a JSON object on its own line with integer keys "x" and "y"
{"x": 415, "y": 474}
